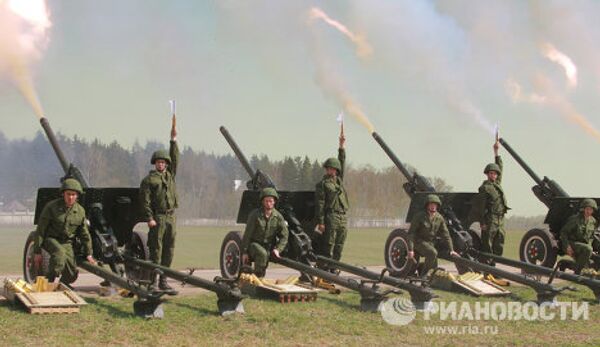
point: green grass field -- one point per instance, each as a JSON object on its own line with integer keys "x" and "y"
{"x": 331, "y": 320}
{"x": 199, "y": 247}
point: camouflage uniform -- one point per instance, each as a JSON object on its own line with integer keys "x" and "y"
{"x": 263, "y": 235}
{"x": 331, "y": 208}
{"x": 57, "y": 229}
{"x": 578, "y": 233}
{"x": 489, "y": 208}
{"x": 158, "y": 195}
{"x": 422, "y": 234}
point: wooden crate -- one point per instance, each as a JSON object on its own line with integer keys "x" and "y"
{"x": 61, "y": 300}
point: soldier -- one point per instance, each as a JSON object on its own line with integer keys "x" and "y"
{"x": 489, "y": 207}
{"x": 577, "y": 234}
{"x": 425, "y": 228}
{"x": 266, "y": 233}
{"x": 158, "y": 196}
{"x": 61, "y": 222}
{"x": 332, "y": 206}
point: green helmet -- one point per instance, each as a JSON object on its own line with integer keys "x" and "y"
{"x": 589, "y": 203}
{"x": 160, "y": 154}
{"x": 433, "y": 198}
{"x": 268, "y": 192}
{"x": 492, "y": 167}
{"x": 333, "y": 163}
{"x": 71, "y": 184}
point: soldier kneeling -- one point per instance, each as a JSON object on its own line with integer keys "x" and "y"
{"x": 266, "y": 233}
{"x": 425, "y": 227}
{"x": 577, "y": 234}
{"x": 61, "y": 222}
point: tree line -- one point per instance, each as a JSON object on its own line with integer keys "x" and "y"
{"x": 206, "y": 182}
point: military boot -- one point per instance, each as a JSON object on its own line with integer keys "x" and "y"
{"x": 163, "y": 285}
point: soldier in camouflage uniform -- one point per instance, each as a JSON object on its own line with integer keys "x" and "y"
{"x": 61, "y": 222}
{"x": 489, "y": 207}
{"x": 332, "y": 206}
{"x": 577, "y": 234}
{"x": 266, "y": 233}
{"x": 425, "y": 228}
{"x": 158, "y": 196}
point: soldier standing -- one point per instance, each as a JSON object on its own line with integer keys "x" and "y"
{"x": 158, "y": 196}
{"x": 489, "y": 207}
{"x": 425, "y": 228}
{"x": 266, "y": 233}
{"x": 61, "y": 222}
{"x": 332, "y": 205}
{"x": 577, "y": 234}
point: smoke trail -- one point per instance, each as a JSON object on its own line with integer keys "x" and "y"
{"x": 363, "y": 48}
{"x": 330, "y": 84}
{"x": 466, "y": 107}
{"x": 23, "y": 27}
{"x": 515, "y": 91}
{"x": 565, "y": 108}
{"x": 558, "y": 57}
{"x": 425, "y": 47}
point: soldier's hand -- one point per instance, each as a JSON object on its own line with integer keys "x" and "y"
{"x": 411, "y": 254}
{"x": 91, "y": 260}
{"x": 496, "y": 146}
{"x": 453, "y": 253}
{"x": 320, "y": 228}
{"x": 275, "y": 253}
{"x": 570, "y": 251}
{"x": 37, "y": 261}
{"x": 151, "y": 223}
{"x": 342, "y": 140}
{"x": 173, "y": 129}
{"x": 244, "y": 258}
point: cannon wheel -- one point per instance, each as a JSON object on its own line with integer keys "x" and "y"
{"x": 138, "y": 248}
{"x": 29, "y": 273}
{"x": 538, "y": 247}
{"x": 475, "y": 244}
{"x": 475, "y": 239}
{"x": 231, "y": 255}
{"x": 396, "y": 252}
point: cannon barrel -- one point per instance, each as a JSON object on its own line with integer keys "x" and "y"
{"x": 52, "y": 138}
{"x": 545, "y": 189}
{"x": 238, "y": 153}
{"x": 521, "y": 162}
{"x": 392, "y": 156}
{"x": 68, "y": 167}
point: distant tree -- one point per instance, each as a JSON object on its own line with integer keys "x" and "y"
{"x": 205, "y": 181}
{"x": 306, "y": 175}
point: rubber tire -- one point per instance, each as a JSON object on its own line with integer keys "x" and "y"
{"x": 138, "y": 247}
{"x": 476, "y": 237}
{"x": 476, "y": 244}
{"x": 409, "y": 267}
{"x": 231, "y": 243}
{"x": 547, "y": 240}
{"x": 29, "y": 275}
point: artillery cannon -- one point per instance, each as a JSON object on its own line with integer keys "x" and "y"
{"x": 297, "y": 207}
{"x": 455, "y": 210}
{"x": 541, "y": 246}
{"x": 112, "y": 214}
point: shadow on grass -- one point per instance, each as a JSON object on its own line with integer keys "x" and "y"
{"x": 202, "y": 310}
{"x": 340, "y": 302}
{"x": 16, "y": 306}
{"x": 111, "y": 310}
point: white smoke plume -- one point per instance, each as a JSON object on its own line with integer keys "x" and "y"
{"x": 23, "y": 36}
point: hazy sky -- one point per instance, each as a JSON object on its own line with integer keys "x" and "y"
{"x": 111, "y": 66}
